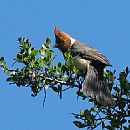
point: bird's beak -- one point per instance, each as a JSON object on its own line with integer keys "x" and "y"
{"x": 55, "y": 46}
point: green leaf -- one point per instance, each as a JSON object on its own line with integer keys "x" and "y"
{"x": 64, "y": 68}
{"x": 55, "y": 89}
{"x": 122, "y": 105}
{"x": 52, "y": 72}
{"x": 20, "y": 39}
{"x": 81, "y": 94}
{"x": 47, "y": 63}
{"x": 2, "y": 61}
{"x": 48, "y": 43}
{"x": 35, "y": 89}
{"x": 79, "y": 124}
{"x": 49, "y": 53}
{"x": 34, "y": 53}
{"x": 10, "y": 79}
{"x": 59, "y": 64}
{"x": 122, "y": 77}
{"x": 69, "y": 62}
{"x": 67, "y": 55}
{"x": 19, "y": 56}
{"x": 93, "y": 110}
{"x": 6, "y": 69}
{"x": 116, "y": 89}
{"x": 124, "y": 121}
{"x": 87, "y": 112}
{"x": 43, "y": 50}
{"x": 109, "y": 127}
{"x": 127, "y": 70}
{"x": 75, "y": 70}
{"x": 58, "y": 69}
{"x": 29, "y": 51}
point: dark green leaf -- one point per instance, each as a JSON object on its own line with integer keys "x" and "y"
{"x": 93, "y": 110}
{"x": 127, "y": 70}
{"x": 81, "y": 94}
{"x": 35, "y": 89}
{"x": 48, "y": 43}
{"x": 122, "y": 105}
{"x": 87, "y": 112}
{"x": 20, "y": 39}
{"x": 19, "y": 56}
{"x": 59, "y": 64}
{"x": 10, "y": 79}
{"x": 109, "y": 127}
{"x": 116, "y": 89}
{"x": 49, "y": 53}
{"x": 55, "y": 89}
{"x": 124, "y": 121}
{"x": 79, "y": 124}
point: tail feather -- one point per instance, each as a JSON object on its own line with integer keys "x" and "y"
{"x": 97, "y": 88}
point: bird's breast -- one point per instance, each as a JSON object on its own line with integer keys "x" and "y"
{"x": 80, "y": 64}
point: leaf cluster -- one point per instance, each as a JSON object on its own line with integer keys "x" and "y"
{"x": 109, "y": 118}
{"x": 37, "y": 70}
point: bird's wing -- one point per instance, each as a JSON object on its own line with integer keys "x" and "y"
{"x": 96, "y": 88}
{"x": 88, "y": 53}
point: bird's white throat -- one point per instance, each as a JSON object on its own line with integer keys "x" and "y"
{"x": 72, "y": 40}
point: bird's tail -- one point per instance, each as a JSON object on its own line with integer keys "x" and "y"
{"x": 97, "y": 88}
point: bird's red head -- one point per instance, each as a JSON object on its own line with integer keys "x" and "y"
{"x": 63, "y": 41}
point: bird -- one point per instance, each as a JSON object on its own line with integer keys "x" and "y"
{"x": 91, "y": 63}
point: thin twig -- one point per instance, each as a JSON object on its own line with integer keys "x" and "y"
{"x": 66, "y": 88}
{"x": 44, "y": 99}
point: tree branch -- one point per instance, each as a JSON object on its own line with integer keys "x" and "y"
{"x": 61, "y": 82}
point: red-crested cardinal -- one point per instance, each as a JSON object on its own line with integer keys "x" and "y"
{"x": 91, "y": 63}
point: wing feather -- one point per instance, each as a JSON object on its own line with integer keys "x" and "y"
{"x": 88, "y": 53}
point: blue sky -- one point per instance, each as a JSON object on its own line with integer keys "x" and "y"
{"x": 103, "y": 24}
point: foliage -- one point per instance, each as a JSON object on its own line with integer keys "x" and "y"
{"x": 37, "y": 70}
